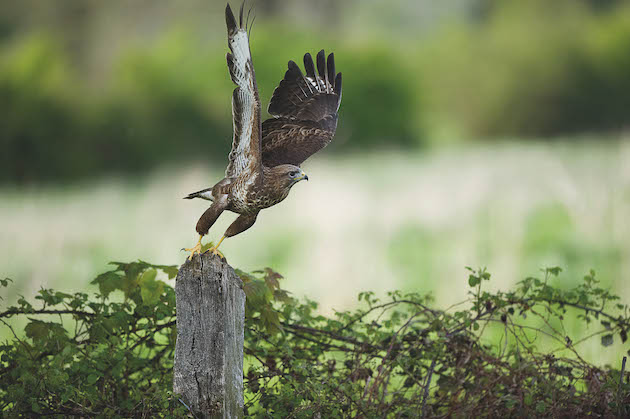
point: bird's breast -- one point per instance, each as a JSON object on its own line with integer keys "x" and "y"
{"x": 250, "y": 197}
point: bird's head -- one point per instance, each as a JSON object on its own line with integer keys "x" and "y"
{"x": 288, "y": 175}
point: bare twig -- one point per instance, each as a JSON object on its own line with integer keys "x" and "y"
{"x": 425, "y": 396}
{"x": 11, "y": 312}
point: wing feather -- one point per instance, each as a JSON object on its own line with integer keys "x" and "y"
{"x": 246, "y": 143}
{"x": 309, "y": 66}
{"x": 304, "y": 110}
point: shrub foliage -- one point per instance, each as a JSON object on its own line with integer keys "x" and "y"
{"x": 111, "y": 353}
{"x": 519, "y": 69}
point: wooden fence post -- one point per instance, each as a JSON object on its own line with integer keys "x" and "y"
{"x": 208, "y": 371}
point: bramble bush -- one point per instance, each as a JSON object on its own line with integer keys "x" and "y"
{"x": 111, "y": 353}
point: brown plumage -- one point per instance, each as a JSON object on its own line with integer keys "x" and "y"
{"x": 305, "y": 112}
{"x": 264, "y": 160}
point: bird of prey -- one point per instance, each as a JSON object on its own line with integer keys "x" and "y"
{"x": 264, "y": 163}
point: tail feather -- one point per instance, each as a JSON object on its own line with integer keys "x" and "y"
{"x": 203, "y": 194}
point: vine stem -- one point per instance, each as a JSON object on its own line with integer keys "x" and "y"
{"x": 425, "y": 396}
{"x": 619, "y": 404}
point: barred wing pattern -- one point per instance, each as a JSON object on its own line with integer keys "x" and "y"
{"x": 304, "y": 110}
{"x": 246, "y": 144}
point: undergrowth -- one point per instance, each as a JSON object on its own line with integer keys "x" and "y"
{"x": 111, "y": 353}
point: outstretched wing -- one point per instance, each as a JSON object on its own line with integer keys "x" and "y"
{"x": 304, "y": 110}
{"x": 246, "y": 153}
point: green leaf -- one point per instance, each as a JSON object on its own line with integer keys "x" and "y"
{"x": 607, "y": 340}
{"x": 282, "y": 296}
{"x": 108, "y": 282}
{"x": 147, "y": 276}
{"x": 36, "y": 408}
{"x": 473, "y": 280}
{"x": 150, "y": 289}
{"x": 36, "y": 329}
{"x": 171, "y": 271}
{"x": 555, "y": 270}
{"x": 270, "y": 320}
{"x": 92, "y": 378}
{"x": 257, "y": 292}
{"x": 272, "y": 278}
{"x": 272, "y": 282}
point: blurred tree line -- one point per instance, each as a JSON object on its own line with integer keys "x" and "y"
{"x": 89, "y": 87}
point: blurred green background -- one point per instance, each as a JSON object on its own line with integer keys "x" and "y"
{"x": 94, "y": 87}
{"x": 472, "y": 132}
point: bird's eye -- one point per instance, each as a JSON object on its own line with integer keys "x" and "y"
{"x": 293, "y": 173}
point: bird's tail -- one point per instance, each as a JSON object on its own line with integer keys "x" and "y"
{"x": 203, "y": 194}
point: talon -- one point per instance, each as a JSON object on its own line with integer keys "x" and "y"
{"x": 215, "y": 249}
{"x": 195, "y": 249}
{"x": 215, "y": 252}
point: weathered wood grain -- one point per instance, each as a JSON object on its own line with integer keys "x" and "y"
{"x": 208, "y": 371}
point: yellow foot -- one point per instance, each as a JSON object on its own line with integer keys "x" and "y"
{"x": 215, "y": 249}
{"x": 195, "y": 249}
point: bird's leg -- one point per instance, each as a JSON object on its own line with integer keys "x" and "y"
{"x": 195, "y": 249}
{"x": 215, "y": 249}
{"x": 207, "y": 220}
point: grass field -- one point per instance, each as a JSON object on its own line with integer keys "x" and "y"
{"x": 378, "y": 221}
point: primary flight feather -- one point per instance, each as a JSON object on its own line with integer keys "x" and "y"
{"x": 265, "y": 159}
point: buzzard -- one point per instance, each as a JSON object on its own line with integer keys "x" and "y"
{"x": 264, "y": 163}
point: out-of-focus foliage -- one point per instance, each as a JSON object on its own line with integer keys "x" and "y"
{"x": 510, "y": 68}
{"x": 534, "y": 68}
{"x": 40, "y": 133}
{"x": 171, "y": 102}
{"x": 56, "y": 127}
{"x": 113, "y": 357}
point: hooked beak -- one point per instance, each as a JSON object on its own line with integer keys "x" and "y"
{"x": 303, "y": 176}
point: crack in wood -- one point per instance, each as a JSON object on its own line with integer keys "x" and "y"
{"x": 208, "y": 370}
